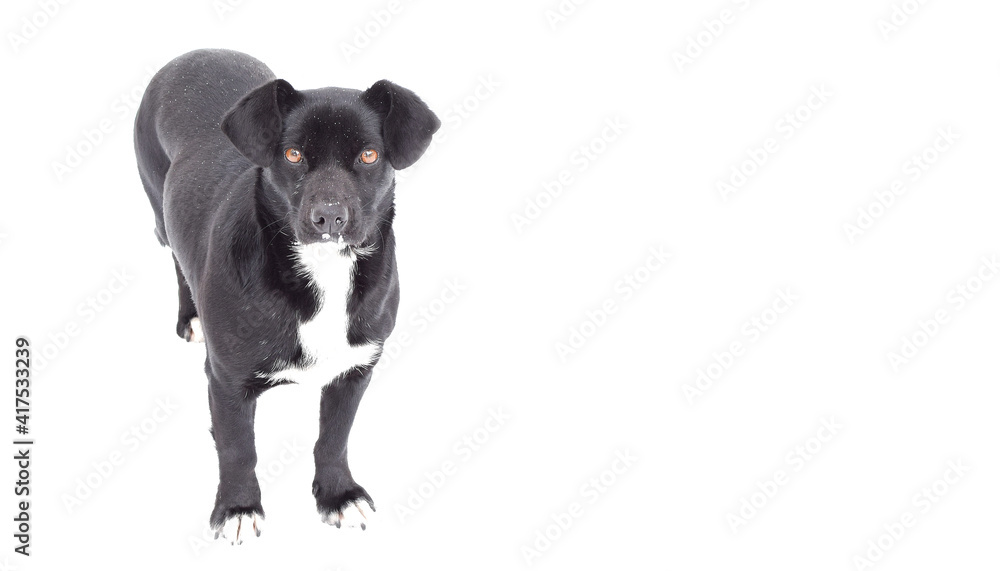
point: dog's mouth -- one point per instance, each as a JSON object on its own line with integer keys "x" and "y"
{"x": 325, "y": 242}
{"x": 340, "y": 240}
{"x": 336, "y": 243}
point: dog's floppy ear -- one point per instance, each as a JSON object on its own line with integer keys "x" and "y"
{"x": 407, "y": 122}
{"x": 254, "y": 124}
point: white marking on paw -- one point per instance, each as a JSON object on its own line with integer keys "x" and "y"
{"x": 197, "y": 334}
{"x": 356, "y": 515}
{"x": 240, "y": 527}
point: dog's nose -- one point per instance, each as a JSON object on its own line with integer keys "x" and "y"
{"x": 329, "y": 218}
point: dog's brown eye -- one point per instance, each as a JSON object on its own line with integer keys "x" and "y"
{"x": 293, "y": 155}
{"x": 369, "y": 156}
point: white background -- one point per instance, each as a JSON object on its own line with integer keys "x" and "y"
{"x": 65, "y": 234}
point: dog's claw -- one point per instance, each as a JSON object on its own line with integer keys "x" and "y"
{"x": 240, "y": 527}
{"x": 356, "y": 514}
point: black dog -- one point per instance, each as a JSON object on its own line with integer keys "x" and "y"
{"x": 278, "y": 207}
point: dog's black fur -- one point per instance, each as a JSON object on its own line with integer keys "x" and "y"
{"x": 210, "y": 139}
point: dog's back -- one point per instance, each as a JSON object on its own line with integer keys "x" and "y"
{"x": 185, "y": 103}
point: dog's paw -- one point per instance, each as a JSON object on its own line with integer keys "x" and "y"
{"x": 193, "y": 332}
{"x": 239, "y": 527}
{"x": 351, "y": 509}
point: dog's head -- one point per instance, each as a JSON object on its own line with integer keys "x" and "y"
{"x": 330, "y": 155}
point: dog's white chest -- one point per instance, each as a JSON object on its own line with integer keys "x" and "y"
{"x": 326, "y": 351}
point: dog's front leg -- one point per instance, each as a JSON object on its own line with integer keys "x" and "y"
{"x": 238, "y": 513}
{"x": 339, "y": 499}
